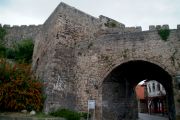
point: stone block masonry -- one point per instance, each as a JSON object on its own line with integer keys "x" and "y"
{"x": 75, "y": 54}
{"x": 17, "y": 33}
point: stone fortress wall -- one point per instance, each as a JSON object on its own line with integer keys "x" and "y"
{"x": 74, "y": 52}
{"x": 16, "y": 33}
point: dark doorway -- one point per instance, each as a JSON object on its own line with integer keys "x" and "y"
{"x": 118, "y": 90}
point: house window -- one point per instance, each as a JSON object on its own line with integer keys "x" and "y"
{"x": 158, "y": 87}
{"x": 149, "y": 89}
{"x": 153, "y": 87}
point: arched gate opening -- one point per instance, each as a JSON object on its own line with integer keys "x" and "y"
{"x": 118, "y": 89}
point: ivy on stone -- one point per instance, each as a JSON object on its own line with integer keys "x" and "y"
{"x": 164, "y": 34}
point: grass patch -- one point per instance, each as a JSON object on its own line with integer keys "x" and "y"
{"x": 69, "y": 114}
{"x": 43, "y": 115}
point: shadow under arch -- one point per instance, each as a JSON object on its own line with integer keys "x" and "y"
{"x": 118, "y": 94}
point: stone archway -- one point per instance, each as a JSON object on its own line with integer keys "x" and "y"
{"x": 118, "y": 94}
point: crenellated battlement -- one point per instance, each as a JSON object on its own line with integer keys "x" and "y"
{"x": 113, "y": 26}
{"x": 151, "y": 28}
{"x": 16, "y": 33}
{"x": 7, "y": 26}
{"x": 158, "y": 27}
{"x": 77, "y": 22}
{"x": 133, "y": 29}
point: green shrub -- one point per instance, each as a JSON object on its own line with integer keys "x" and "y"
{"x": 10, "y": 53}
{"x": 23, "y": 51}
{"x": 84, "y": 115}
{"x": 111, "y": 24}
{"x": 69, "y": 114}
{"x": 2, "y": 33}
{"x": 164, "y": 34}
{"x": 2, "y": 51}
{"x": 65, "y": 113}
{"x": 2, "y": 42}
{"x": 19, "y": 89}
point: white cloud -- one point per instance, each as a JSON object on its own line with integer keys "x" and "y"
{"x": 130, "y": 12}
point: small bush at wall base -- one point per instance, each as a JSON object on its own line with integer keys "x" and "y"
{"x": 164, "y": 34}
{"x": 69, "y": 114}
{"x": 65, "y": 113}
{"x": 84, "y": 115}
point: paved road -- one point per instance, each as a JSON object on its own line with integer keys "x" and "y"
{"x": 143, "y": 116}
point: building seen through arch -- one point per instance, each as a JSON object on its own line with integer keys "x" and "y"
{"x": 118, "y": 91}
{"x": 151, "y": 97}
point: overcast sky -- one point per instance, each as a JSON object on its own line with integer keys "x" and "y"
{"x": 130, "y": 12}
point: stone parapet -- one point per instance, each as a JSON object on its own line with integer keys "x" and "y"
{"x": 6, "y": 26}
{"x": 165, "y": 26}
{"x": 16, "y": 33}
{"x": 178, "y": 26}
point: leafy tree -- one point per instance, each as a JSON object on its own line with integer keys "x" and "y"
{"x": 19, "y": 89}
{"x": 2, "y": 34}
{"x": 23, "y": 51}
{"x": 2, "y": 42}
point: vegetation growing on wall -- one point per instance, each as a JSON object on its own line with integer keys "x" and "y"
{"x": 164, "y": 34}
{"x": 2, "y": 33}
{"x": 2, "y": 36}
{"x": 111, "y": 24}
{"x": 19, "y": 89}
{"x": 21, "y": 52}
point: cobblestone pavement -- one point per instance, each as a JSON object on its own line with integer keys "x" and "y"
{"x": 143, "y": 116}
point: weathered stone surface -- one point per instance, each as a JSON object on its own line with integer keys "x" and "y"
{"x": 165, "y": 27}
{"x": 75, "y": 54}
{"x": 108, "y": 22}
{"x": 178, "y": 26}
{"x": 152, "y": 27}
{"x": 18, "y": 33}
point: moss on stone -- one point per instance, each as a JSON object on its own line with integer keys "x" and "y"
{"x": 111, "y": 24}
